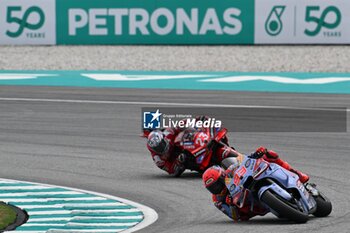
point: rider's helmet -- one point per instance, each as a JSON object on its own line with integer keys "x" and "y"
{"x": 214, "y": 179}
{"x": 188, "y": 135}
{"x": 157, "y": 142}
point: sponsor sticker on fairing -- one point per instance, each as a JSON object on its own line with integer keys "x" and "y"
{"x": 209, "y": 181}
{"x": 200, "y": 152}
{"x": 247, "y": 163}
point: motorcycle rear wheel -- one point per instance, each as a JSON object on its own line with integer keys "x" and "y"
{"x": 283, "y": 208}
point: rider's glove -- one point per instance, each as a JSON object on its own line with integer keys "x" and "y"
{"x": 260, "y": 152}
{"x": 229, "y": 200}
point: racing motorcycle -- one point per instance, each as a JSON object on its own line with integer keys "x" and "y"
{"x": 279, "y": 191}
{"x": 199, "y": 146}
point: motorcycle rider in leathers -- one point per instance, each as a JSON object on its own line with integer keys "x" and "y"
{"x": 168, "y": 157}
{"x": 214, "y": 181}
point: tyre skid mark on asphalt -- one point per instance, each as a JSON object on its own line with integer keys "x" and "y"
{"x": 61, "y": 209}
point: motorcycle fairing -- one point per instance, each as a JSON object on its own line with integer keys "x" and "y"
{"x": 289, "y": 181}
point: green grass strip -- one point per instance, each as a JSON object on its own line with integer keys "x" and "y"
{"x": 7, "y": 216}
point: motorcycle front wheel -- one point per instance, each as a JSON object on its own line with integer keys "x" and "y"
{"x": 283, "y": 207}
{"x": 324, "y": 207}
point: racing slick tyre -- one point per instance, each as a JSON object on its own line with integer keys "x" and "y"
{"x": 283, "y": 208}
{"x": 324, "y": 207}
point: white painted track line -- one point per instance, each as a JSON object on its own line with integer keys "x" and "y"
{"x": 168, "y": 104}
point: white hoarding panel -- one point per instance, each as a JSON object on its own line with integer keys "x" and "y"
{"x": 303, "y": 22}
{"x": 27, "y": 22}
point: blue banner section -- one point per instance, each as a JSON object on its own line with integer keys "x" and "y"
{"x": 337, "y": 83}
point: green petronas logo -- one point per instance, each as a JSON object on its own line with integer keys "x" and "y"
{"x": 273, "y": 24}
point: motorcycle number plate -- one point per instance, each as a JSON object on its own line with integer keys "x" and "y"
{"x": 201, "y": 139}
{"x": 238, "y": 174}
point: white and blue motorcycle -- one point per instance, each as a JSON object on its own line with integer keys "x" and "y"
{"x": 275, "y": 188}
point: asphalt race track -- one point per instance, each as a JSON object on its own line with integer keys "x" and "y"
{"x": 95, "y": 146}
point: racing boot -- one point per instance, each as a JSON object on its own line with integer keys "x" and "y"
{"x": 178, "y": 169}
{"x": 272, "y": 156}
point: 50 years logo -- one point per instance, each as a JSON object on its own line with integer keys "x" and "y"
{"x": 28, "y": 22}
{"x": 24, "y": 21}
{"x": 330, "y": 18}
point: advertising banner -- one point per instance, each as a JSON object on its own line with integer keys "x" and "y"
{"x": 27, "y": 22}
{"x": 305, "y": 22}
{"x": 155, "y": 22}
{"x": 174, "y": 22}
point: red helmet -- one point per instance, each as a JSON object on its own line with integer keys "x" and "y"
{"x": 214, "y": 179}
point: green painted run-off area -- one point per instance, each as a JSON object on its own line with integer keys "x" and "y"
{"x": 337, "y": 83}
